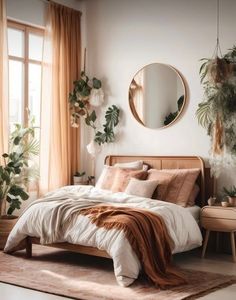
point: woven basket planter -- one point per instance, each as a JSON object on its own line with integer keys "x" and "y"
{"x": 6, "y": 225}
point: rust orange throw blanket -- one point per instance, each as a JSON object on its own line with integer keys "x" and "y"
{"x": 147, "y": 236}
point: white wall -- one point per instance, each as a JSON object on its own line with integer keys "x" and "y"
{"x": 125, "y": 35}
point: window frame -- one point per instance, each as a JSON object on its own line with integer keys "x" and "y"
{"x": 27, "y": 29}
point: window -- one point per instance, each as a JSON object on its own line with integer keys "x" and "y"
{"x": 25, "y": 50}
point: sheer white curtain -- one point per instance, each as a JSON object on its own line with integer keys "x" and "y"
{"x": 60, "y": 144}
{"x": 3, "y": 81}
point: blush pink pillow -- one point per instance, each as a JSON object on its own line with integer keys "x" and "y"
{"x": 193, "y": 195}
{"x": 181, "y": 185}
{"x": 106, "y": 178}
{"x": 123, "y": 176}
{"x": 163, "y": 181}
{"x": 116, "y": 179}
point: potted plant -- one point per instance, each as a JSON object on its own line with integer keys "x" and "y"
{"x": 217, "y": 112}
{"x": 86, "y": 95}
{"x": 91, "y": 180}
{"x": 230, "y": 193}
{"x": 15, "y": 173}
{"x": 79, "y": 178}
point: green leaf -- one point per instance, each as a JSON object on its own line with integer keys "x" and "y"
{"x": 17, "y": 140}
{"x": 81, "y": 104}
{"x": 112, "y": 116}
{"x": 15, "y": 190}
{"x": 87, "y": 121}
{"x": 17, "y": 170}
{"x": 9, "y": 198}
{"x": 100, "y": 137}
{"x": 96, "y": 83}
{"x": 6, "y": 177}
{"x": 203, "y": 114}
{"x": 93, "y": 116}
{"x": 11, "y": 210}
{"x": 24, "y": 196}
{"x": 202, "y": 67}
{"x": 85, "y": 92}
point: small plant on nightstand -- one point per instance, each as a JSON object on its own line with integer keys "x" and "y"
{"x": 79, "y": 177}
{"x": 91, "y": 180}
{"x": 230, "y": 193}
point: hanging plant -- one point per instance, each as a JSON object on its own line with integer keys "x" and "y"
{"x": 85, "y": 95}
{"x": 217, "y": 112}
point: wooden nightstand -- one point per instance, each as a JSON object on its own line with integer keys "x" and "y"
{"x": 219, "y": 219}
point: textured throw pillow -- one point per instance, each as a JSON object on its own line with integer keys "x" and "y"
{"x": 136, "y": 165}
{"x": 105, "y": 180}
{"x": 181, "y": 185}
{"x": 163, "y": 179}
{"x": 141, "y": 188}
{"x": 193, "y": 195}
{"x": 123, "y": 176}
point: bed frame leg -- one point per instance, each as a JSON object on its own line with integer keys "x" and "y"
{"x": 28, "y": 247}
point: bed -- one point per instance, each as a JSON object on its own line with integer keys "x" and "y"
{"x": 204, "y": 182}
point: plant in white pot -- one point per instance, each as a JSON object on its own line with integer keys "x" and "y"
{"x": 15, "y": 173}
{"x": 79, "y": 177}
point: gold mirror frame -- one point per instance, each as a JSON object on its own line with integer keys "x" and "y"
{"x": 131, "y": 100}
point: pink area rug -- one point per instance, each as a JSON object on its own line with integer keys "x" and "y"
{"x": 85, "y": 277}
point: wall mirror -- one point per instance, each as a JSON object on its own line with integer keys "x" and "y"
{"x": 157, "y": 95}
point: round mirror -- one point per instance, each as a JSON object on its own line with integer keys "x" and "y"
{"x": 157, "y": 95}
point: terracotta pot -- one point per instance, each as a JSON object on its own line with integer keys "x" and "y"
{"x": 6, "y": 225}
{"x": 232, "y": 201}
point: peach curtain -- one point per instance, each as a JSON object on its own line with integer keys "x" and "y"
{"x": 60, "y": 144}
{"x": 3, "y": 81}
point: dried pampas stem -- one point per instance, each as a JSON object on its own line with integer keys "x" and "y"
{"x": 217, "y": 146}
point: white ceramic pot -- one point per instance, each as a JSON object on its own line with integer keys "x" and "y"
{"x": 211, "y": 201}
{"x": 93, "y": 148}
{"x": 78, "y": 180}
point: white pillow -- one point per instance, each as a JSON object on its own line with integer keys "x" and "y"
{"x": 102, "y": 177}
{"x": 141, "y": 188}
{"x": 145, "y": 167}
{"x": 137, "y": 165}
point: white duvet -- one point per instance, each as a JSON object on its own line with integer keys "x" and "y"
{"x": 37, "y": 221}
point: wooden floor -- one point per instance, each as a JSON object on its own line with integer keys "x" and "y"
{"x": 216, "y": 263}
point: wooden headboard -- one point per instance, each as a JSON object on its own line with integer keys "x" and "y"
{"x": 204, "y": 180}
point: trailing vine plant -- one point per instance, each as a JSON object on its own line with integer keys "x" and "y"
{"x": 86, "y": 95}
{"x": 217, "y": 112}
